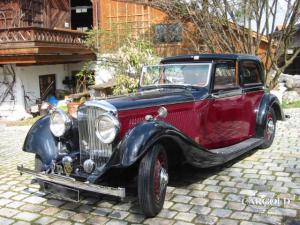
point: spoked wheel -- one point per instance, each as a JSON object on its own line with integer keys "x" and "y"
{"x": 152, "y": 180}
{"x": 270, "y": 128}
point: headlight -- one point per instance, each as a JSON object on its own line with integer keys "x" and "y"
{"x": 60, "y": 123}
{"x": 107, "y": 128}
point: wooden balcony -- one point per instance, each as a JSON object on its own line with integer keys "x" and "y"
{"x": 35, "y": 45}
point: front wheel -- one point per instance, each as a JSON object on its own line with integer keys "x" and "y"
{"x": 270, "y": 128}
{"x": 152, "y": 180}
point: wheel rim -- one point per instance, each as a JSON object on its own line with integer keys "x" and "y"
{"x": 161, "y": 177}
{"x": 270, "y": 127}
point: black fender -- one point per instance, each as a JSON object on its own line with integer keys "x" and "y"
{"x": 268, "y": 101}
{"x": 141, "y": 138}
{"x": 40, "y": 141}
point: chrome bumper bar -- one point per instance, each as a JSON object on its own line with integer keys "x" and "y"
{"x": 72, "y": 183}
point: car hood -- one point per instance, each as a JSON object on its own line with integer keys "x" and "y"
{"x": 154, "y": 97}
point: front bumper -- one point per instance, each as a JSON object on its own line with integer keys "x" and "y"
{"x": 72, "y": 183}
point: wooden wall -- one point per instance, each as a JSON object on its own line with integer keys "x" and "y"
{"x": 58, "y": 13}
{"x": 9, "y": 13}
{"x": 38, "y": 13}
{"x": 112, "y": 14}
{"x": 119, "y": 16}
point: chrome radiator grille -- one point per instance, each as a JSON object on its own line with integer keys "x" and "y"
{"x": 90, "y": 146}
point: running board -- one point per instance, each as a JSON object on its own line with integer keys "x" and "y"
{"x": 204, "y": 158}
{"x": 239, "y": 148}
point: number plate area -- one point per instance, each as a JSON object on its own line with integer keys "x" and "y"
{"x": 59, "y": 191}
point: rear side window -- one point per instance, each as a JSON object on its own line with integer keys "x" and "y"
{"x": 225, "y": 76}
{"x": 250, "y": 73}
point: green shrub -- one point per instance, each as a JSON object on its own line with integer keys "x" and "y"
{"x": 288, "y": 105}
{"x": 126, "y": 55}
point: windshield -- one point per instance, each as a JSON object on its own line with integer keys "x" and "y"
{"x": 196, "y": 74}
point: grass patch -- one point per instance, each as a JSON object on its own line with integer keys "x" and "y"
{"x": 27, "y": 122}
{"x": 287, "y": 105}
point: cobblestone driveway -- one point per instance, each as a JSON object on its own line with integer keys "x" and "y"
{"x": 225, "y": 195}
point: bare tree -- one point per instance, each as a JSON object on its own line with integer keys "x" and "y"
{"x": 237, "y": 26}
{"x": 9, "y": 81}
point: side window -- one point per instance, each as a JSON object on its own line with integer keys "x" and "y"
{"x": 225, "y": 76}
{"x": 250, "y": 73}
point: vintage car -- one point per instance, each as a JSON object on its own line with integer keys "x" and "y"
{"x": 200, "y": 109}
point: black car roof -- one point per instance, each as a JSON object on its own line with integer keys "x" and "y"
{"x": 208, "y": 57}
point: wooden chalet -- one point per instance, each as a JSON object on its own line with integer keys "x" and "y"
{"x": 39, "y": 32}
{"x": 294, "y": 67}
{"x": 168, "y": 35}
{"x": 42, "y": 43}
{"x": 119, "y": 15}
{"x": 41, "y": 50}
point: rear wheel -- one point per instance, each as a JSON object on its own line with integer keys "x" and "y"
{"x": 152, "y": 180}
{"x": 270, "y": 128}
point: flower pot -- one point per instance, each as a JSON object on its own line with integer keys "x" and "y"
{"x": 72, "y": 108}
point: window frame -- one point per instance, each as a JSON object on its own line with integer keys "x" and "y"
{"x": 209, "y": 74}
{"x": 260, "y": 74}
{"x": 236, "y": 75}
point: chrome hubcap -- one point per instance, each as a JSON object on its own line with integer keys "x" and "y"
{"x": 164, "y": 179}
{"x": 270, "y": 127}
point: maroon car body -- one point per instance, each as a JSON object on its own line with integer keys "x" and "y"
{"x": 201, "y": 109}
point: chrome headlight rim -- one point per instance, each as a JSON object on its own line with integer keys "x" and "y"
{"x": 67, "y": 122}
{"x": 116, "y": 127}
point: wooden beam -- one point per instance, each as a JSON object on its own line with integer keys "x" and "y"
{"x": 44, "y": 59}
{"x": 44, "y": 50}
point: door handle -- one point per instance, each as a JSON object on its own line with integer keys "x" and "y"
{"x": 214, "y": 96}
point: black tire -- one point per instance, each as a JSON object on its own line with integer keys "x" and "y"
{"x": 152, "y": 170}
{"x": 270, "y": 129}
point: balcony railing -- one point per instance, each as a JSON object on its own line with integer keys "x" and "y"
{"x": 45, "y": 35}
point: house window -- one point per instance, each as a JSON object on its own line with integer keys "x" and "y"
{"x": 81, "y": 10}
{"x": 167, "y": 33}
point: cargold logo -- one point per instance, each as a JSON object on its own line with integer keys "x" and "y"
{"x": 266, "y": 201}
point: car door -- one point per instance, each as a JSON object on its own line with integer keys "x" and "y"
{"x": 251, "y": 74}
{"x": 226, "y": 123}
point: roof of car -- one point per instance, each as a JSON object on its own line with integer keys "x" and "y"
{"x": 208, "y": 57}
